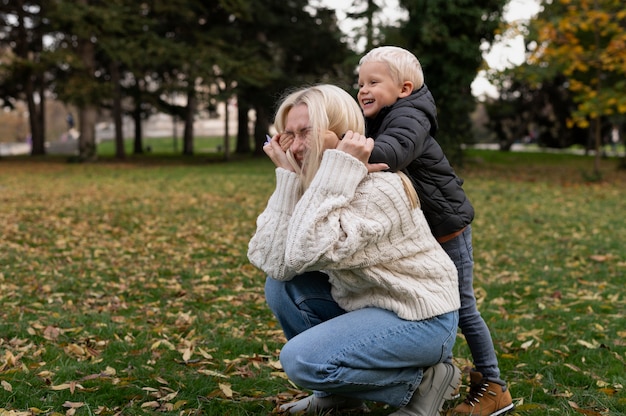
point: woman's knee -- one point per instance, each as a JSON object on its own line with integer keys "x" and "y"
{"x": 295, "y": 364}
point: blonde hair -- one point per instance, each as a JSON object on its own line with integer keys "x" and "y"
{"x": 332, "y": 109}
{"x": 403, "y": 65}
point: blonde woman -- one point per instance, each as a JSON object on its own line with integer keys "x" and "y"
{"x": 367, "y": 298}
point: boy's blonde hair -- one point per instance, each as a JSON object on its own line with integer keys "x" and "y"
{"x": 403, "y": 65}
{"x": 330, "y": 109}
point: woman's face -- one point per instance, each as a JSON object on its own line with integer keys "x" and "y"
{"x": 298, "y": 129}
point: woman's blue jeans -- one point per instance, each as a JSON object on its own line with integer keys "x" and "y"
{"x": 471, "y": 322}
{"x": 368, "y": 353}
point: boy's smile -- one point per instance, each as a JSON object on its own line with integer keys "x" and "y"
{"x": 377, "y": 88}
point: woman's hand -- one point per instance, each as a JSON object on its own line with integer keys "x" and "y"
{"x": 360, "y": 147}
{"x": 278, "y": 153}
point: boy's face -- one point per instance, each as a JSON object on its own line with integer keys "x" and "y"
{"x": 377, "y": 89}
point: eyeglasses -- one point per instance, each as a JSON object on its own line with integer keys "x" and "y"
{"x": 302, "y": 134}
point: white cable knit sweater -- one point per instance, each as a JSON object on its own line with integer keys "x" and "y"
{"x": 360, "y": 229}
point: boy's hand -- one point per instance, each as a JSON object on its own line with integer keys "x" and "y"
{"x": 376, "y": 167}
{"x": 361, "y": 147}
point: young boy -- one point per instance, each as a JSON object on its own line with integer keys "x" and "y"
{"x": 401, "y": 116}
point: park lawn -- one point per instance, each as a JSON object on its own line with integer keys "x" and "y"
{"x": 125, "y": 287}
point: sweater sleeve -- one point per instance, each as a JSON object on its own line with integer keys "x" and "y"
{"x": 331, "y": 225}
{"x": 266, "y": 249}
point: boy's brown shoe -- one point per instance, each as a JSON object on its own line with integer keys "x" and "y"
{"x": 485, "y": 398}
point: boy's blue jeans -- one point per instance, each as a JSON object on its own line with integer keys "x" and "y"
{"x": 471, "y": 322}
{"x": 368, "y": 353}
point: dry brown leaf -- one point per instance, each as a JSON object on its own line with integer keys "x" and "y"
{"x": 163, "y": 342}
{"x": 609, "y": 391}
{"x": 591, "y": 345}
{"x": 226, "y": 390}
{"x": 527, "y": 344}
{"x": 205, "y": 354}
{"x": 168, "y": 397}
{"x": 73, "y": 405}
{"x": 72, "y": 386}
{"x": 51, "y": 333}
{"x": 572, "y": 367}
{"x": 152, "y": 405}
{"x": 576, "y": 408}
{"x": 599, "y": 258}
{"x": 7, "y": 386}
{"x": 212, "y": 373}
{"x": 187, "y": 354}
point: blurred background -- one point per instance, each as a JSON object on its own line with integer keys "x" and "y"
{"x": 505, "y": 73}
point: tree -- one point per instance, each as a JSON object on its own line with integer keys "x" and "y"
{"x": 80, "y": 27}
{"x": 369, "y": 29}
{"x": 539, "y": 112}
{"x": 292, "y": 45}
{"x": 134, "y": 56}
{"x": 585, "y": 41}
{"x": 447, "y": 36}
{"x": 22, "y": 29}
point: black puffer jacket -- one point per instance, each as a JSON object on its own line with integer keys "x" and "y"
{"x": 403, "y": 136}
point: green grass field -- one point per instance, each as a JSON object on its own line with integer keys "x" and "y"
{"x": 125, "y": 287}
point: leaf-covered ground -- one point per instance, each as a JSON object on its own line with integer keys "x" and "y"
{"x": 125, "y": 288}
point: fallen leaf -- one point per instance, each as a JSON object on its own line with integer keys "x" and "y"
{"x": 211, "y": 373}
{"x": 51, "y": 333}
{"x": 572, "y": 367}
{"x": 591, "y": 345}
{"x": 72, "y": 386}
{"x": 575, "y": 406}
{"x": 168, "y": 397}
{"x": 187, "y": 354}
{"x": 73, "y": 405}
{"x": 226, "y": 390}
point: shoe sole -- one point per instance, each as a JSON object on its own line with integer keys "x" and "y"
{"x": 454, "y": 383}
{"x": 451, "y": 380}
{"x": 503, "y": 411}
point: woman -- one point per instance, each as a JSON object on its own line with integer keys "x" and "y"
{"x": 367, "y": 298}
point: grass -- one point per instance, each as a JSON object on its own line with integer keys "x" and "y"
{"x": 168, "y": 145}
{"x": 125, "y": 287}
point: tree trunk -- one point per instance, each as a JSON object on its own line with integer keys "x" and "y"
{"x": 36, "y": 118}
{"x": 33, "y": 83}
{"x": 598, "y": 147}
{"x": 120, "y": 152}
{"x": 87, "y": 116}
{"x": 87, "y": 111}
{"x": 191, "y": 111}
{"x": 138, "y": 142}
{"x": 243, "y": 132}
{"x": 226, "y": 131}
{"x": 261, "y": 128}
